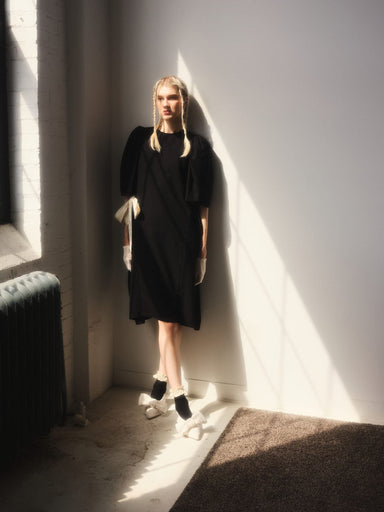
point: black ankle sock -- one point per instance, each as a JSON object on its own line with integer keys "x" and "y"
{"x": 158, "y": 390}
{"x": 182, "y": 407}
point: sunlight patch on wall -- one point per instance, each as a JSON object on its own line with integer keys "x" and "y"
{"x": 25, "y": 141}
{"x": 287, "y": 365}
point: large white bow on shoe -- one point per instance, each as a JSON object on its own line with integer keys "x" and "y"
{"x": 152, "y": 406}
{"x": 191, "y": 427}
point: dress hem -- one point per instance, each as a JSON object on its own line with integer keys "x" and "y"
{"x": 142, "y": 320}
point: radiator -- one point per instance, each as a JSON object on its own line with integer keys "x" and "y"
{"x": 32, "y": 374}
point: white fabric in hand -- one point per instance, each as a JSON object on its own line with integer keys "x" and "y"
{"x": 201, "y": 266}
{"x": 127, "y": 256}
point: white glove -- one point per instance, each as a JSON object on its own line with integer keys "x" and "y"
{"x": 127, "y": 256}
{"x": 201, "y": 266}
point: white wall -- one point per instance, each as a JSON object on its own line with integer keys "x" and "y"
{"x": 291, "y": 94}
{"x": 89, "y": 144}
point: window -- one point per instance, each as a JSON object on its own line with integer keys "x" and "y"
{"x": 20, "y": 207}
{"x": 4, "y": 157}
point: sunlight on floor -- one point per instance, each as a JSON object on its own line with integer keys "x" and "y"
{"x": 164, "y": 476}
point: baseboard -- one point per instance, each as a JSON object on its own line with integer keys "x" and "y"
{"x": 366, "y": 412}
{"x": 194, "y": 387}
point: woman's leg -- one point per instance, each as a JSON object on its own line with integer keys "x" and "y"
{"x": 169, "y": 365}
{"x": 169, "y": 347}
{"x": 169, "y": 371}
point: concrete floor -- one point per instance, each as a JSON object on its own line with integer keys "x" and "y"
{"x": 119, "y": 462}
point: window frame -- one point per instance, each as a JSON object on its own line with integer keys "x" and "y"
{"x": 5, "y": 202}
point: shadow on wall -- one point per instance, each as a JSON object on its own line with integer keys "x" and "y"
{"x": 215, "y": 353}
{"x": 307, "y": 177}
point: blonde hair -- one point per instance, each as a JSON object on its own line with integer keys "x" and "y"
{"x": 172, "y": 81}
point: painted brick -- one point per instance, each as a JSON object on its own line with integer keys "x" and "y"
{"x": 40, "y": 173}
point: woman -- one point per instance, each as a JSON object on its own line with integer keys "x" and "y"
{"x": 166, "y": 178}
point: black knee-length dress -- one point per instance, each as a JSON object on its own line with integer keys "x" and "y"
{"x": 167, "y": 234}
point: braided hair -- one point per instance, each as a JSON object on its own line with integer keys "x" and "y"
{"x": 172, "y": 81}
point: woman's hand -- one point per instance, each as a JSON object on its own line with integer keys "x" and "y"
{"x": 201, "y": 263}
{"x": 127, "y": 256}
{"x": 201, "y": 266}
{"x": 204, "y": 224}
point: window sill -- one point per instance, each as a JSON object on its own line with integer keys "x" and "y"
{"x": 14, "y": 248}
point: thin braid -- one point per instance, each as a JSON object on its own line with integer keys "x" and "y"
{"x": 154, "y": 141}
{"x": 184, "y": 115}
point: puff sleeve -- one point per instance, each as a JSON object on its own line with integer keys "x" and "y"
{"x": 200, "y": 172}
{"x": 129, "y": 161}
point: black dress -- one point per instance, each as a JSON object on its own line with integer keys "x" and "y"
{"x": 167, "y": 234}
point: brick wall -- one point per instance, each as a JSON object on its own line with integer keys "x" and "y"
{"x": 40, "y": 174}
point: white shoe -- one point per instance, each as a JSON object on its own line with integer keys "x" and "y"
{"x": 192, "y": 427}
{"x": 153, "y": 407}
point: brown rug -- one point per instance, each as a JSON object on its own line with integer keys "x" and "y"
{"x": 274, "y": 462}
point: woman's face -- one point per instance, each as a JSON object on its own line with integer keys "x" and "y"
{"x": 168, "y": 103}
